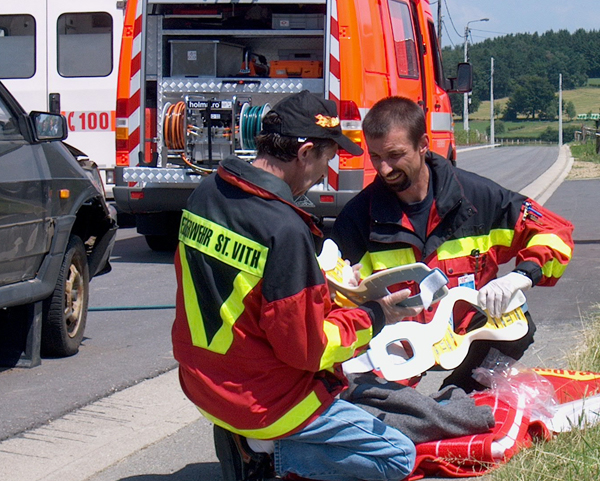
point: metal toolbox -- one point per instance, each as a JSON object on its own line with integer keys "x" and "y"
{"x": 205, "y": 58}
{"x": 296, "y": 69}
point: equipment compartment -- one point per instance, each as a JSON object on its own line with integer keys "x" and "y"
{"x": 205, "y": 58}
{"x": 217, "y": 71}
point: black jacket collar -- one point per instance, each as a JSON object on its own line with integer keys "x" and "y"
{"x": 447, "y": 192}
{"x": 259, "y": 177}
{"x": 264, "y": 184}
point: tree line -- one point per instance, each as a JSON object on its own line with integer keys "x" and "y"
{"x": 527, "y": 68}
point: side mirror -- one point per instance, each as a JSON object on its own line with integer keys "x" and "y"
{"x": 49, "y": 126}
{"x": 463, "y": 82}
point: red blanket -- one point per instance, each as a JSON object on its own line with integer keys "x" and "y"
{"x": 475, "y": 455}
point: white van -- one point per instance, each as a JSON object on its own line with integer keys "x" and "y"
{"x": 62, "y": 56}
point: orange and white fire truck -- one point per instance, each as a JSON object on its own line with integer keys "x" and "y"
{"x": 196, "y": 78}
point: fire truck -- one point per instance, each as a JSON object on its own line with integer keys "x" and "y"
{"x": 196, "y": 79}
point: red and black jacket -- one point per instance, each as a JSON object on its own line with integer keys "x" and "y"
{"x": 258, "y": 344}
{"x": 474, "y": 226}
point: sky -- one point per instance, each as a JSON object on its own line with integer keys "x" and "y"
{"x": 513, "y": 16}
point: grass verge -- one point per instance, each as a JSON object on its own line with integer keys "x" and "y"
{"x": 571, "y": 456}
{"x": 585, "y": 152}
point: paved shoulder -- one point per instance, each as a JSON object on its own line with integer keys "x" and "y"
{"x": 92, "y": 438}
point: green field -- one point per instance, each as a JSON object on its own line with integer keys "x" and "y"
{"x": 585, "y": 99}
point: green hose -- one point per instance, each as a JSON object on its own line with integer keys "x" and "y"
{"x": 130, "y": 308}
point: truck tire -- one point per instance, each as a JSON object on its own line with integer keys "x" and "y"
{"x": 162, "y": 243}
{"x": 65, "y": 311}
{"x": 451, "y": 156}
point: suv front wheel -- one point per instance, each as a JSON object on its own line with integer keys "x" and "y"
{"x": 65, "y": 311}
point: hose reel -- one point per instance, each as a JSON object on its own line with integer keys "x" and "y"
{"x": 204, "y": 131}
{"x": 251, "y": 124}
{"x": 174, "y": 131}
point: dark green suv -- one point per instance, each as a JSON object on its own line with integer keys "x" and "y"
{"x": 56, "y": 233}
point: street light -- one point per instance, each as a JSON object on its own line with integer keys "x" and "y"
{"x": 466, "y": 95}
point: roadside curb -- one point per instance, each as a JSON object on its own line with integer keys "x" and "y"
{"x": 476, "y": 147}
{"x": 89, "y": 440}
{"x": 541, "y": 189}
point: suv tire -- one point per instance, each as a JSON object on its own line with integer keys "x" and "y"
{"x": 65, "y": 311}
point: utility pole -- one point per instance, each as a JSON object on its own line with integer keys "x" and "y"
{"x": 466, "y": 95}
{"x": 439, "y": 23}
{"x": 560, "y": 126}
{"x": 492, "y": 132}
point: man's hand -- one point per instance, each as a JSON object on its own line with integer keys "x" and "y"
{"x": 394, "y": 313}
{"x": 353, "y": 279}
{"x": 495, "y": 296}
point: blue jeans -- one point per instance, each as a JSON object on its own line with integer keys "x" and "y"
{"x": 346, "y": 443}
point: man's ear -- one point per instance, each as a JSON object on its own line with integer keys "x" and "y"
{"x": 424, "y": 144}
{"x": 304, "y": 150}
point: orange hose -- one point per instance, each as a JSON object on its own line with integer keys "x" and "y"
{"x": 174, "y": 128}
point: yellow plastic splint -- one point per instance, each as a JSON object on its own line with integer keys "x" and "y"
{"x": 436, "y": 343}
{"x": 432, "y": 281}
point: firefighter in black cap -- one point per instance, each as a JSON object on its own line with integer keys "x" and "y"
{"x": 258, "y": 343}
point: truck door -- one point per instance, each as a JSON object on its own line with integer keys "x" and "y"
{"x": 23, "y": 47}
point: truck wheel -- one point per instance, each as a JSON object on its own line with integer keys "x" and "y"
{"x": 162, "y": 243}
{"x": 451, "y": 156}
{"x": 65, "y": 311}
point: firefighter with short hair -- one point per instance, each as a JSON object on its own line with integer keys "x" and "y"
{"x": 420, "y": 208}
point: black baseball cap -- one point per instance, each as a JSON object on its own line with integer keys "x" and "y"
{"x": 306, "y": 115}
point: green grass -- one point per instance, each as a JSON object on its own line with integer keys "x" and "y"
{"x": 587, "y": 357}
{"x": 571, "y": 456}
{"x": 522, "y": 129}
{"x": 585, "y": 152}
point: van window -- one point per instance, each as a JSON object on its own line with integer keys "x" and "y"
{"x": 404, "y": 40}
{"x": 17, "y": 46}
{"x": 8, "y": 124}
{"x": 85, "y": 44}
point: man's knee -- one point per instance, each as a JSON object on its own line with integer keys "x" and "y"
{"x": 402, "y": 463}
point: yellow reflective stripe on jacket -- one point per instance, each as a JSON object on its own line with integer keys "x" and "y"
{"x": 553, "y": 268}
{"x": 288, "y": 422}
{"x": 453, "y": 249}
{"x": 378, "y": 261}
{"x": 230, "y": 310}
{"x": 216, "y": 241}
{"x": 552, "y": 241}
{"x": 192, "y": 308}
{"x": 334, "y": 351}
{"x": 239, "y": 252}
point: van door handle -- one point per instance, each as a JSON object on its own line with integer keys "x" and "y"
{"x": 54, "y": 103}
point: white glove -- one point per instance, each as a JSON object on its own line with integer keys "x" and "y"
{"x": 495, "y": 296}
